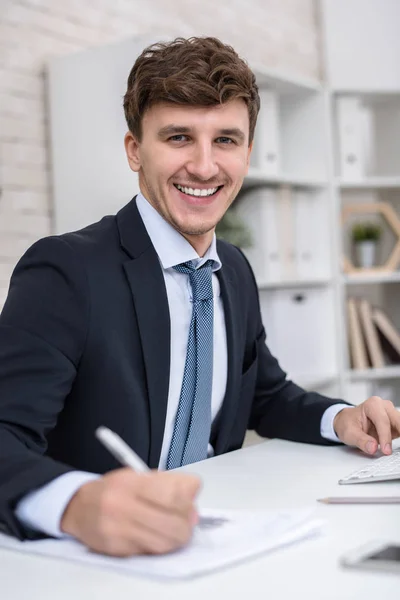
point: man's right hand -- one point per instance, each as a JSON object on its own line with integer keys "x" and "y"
{"x": 125, "y": 513}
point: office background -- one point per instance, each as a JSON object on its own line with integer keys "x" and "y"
{"x": 330, "y": 120}
{"x": 279, "y": 33}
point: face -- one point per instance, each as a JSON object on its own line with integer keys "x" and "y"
{"x": 191, "y": 163}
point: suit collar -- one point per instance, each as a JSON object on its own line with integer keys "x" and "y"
{"x": 133, "y": 236}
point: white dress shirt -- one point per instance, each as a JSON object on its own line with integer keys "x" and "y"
{"x": 42, "y": 509}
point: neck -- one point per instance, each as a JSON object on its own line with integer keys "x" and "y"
{"x": 200, "y": 243}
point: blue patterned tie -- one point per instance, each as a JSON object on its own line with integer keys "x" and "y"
{"x": 193, "y": 419}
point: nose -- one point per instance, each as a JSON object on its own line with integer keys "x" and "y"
{"x": 202, "y": 164}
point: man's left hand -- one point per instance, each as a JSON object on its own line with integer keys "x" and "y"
{"x": 375, "y": 421}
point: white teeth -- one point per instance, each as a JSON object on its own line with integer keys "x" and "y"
{"x": 196, "y": 191}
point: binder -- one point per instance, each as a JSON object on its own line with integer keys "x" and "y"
{"x": 294, "y": 319}
{"x": 259, "y": 210}
{"x": 349, "y": 121}
{"x": 286, "y": 232}
{"x": 266, "y": 154}
{"x": 367, "y": 127}
{"x": 303, "y": 234}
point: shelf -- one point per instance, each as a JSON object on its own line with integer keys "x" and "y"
{"x": 390, "y": 372}
{"x": 362, "y": 279}
{"x": 310, "y": 383}
{"x": 371, "y": 94}
{"x": 255, "y": 177}
{"x": 274, "y": 285}
{"x": 284, "y": 83}
{"x": 370, "y": 183}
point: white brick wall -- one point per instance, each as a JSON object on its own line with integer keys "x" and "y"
{"x": 279, "y": 33}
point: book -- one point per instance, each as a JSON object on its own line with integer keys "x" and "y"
{"x": 388, "y": 334}
{"x": 266, "y": 150}
{"x": 358, "y": 353}
{"x": 259, "y": 209}
{"x": 371, "y": 337}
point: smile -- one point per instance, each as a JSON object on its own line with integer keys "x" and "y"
{"x": 197, "y": 191}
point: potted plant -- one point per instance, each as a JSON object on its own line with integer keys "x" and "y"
{"x": 232, "y": 229}
{"x": 365, "y": 236}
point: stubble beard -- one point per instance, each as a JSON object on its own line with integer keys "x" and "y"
{"x": 185, "y": 230}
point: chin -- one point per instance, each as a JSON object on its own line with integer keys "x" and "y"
{"x": 194, "y": 227}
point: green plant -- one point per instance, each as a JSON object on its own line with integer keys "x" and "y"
{"x": 366, "y": 231}
{"x": 232, "y": 229}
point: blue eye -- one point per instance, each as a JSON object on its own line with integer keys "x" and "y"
{"x": 225, "y": 140}
{"x": 178, "y": 138}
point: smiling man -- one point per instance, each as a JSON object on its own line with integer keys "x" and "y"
{"x": 191, "y": 162}
{"x": 144, "y": 323}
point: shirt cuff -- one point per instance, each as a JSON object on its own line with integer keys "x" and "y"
{"x": 42, "y": 509}
{"x": 327, "y": 430}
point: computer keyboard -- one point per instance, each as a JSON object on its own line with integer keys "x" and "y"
{"x": 380, "y": 469}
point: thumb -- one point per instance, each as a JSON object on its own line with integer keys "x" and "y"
{"x": 366, "y": 442}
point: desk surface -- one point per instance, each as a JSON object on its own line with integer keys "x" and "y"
{"x": 273, "y": 474}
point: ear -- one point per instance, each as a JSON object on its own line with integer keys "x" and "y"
{"x": 132, "y": 149}
{"x": 249, "y": 151}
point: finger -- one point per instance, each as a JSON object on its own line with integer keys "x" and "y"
{"x": 394, "y": 417}
{"x": 171, "y": 492}
{"x": 377, "y": 414}
{"x": 177, "y": 529}
{"x": 117, "y": 545}
{"x": 131, "y": 539}
{"x": 366, "y": 442}
{"x": 150, "y": 541}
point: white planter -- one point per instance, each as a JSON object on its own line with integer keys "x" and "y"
{"x": 366, "y": 254}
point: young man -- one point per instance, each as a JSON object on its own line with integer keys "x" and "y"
{"x": 143, "y": 323}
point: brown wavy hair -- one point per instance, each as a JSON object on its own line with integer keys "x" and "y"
{"x": 198, "y": 71}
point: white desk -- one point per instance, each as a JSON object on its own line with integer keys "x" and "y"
{"x": 273, "y": 474}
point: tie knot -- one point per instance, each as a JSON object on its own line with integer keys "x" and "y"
{"x": 200, "y": 279}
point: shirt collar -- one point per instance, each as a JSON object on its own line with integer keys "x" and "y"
{"x": 172, "y": 248}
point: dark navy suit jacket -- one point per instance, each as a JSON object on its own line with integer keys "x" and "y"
{"x": 85, "y": 341}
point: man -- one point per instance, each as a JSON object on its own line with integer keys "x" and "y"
{"x": 143, "y": 323}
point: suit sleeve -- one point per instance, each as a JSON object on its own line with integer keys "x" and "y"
{"x": 42, "y": 335}
{"x": 281, "y": 408}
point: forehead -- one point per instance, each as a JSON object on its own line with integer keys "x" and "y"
{"x": 229, "y": 114}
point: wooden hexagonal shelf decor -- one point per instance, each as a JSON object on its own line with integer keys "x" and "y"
{"x": 389, "y": 214}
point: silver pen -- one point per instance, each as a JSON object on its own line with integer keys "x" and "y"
{"x": 120, "y": 450}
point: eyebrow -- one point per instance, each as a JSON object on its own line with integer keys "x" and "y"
{"x": 176, "y": 130}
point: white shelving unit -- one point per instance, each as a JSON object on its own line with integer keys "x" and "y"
{"x": 257, "y": 177}
{"x": 288, "y": 208}
{"x": 370, "y": 183}
{"x": 294, "y": 190}
{"x": 363, "y": 88}
{"x": 298, "y": 169}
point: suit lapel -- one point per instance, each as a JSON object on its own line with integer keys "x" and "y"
{"x": 234, "y": 338}
{"x": 146, "y": 281}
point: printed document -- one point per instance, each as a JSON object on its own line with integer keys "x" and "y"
{"x": 221, "y": 538}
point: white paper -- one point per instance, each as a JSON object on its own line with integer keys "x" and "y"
{"x": 231, "y": 537}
